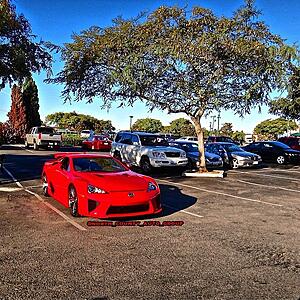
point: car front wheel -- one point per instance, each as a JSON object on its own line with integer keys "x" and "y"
{"x": 73, "y": 202}
{"x": 45, "y": 185}
{"x": 234, "y": 164}
{"x": 280, "y": 159}
{"x": 145, "y": 165}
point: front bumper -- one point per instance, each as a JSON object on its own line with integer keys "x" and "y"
{"x": 248, "y": 162}
{"x": 168, "y": 162}
{"x": 119, "y": 205}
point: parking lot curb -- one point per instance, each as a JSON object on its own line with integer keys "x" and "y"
{"x": 219, "y": 174}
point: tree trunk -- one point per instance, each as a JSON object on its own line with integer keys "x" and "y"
{"x": 199, "y": 132}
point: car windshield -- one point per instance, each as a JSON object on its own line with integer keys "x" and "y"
{"x": 280, "y": 145}
{"x": 232, "y": 148}
{"x": 189, "y": 147}
{"x": 97, "y": 164}
{"x": 153, "y": 140}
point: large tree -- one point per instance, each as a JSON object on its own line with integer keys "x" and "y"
{"x": 174, "y": 59}
{"x": 20, "y": 55}
{"x": 182, "y": 127}
{"x": 270, "y": 129}
{"x": 17, "y": 116}
{"x": 31, "y": 102}
{"x": 226, "y": 129}
{"x": 73, "y": 120}
{"x": 289, "y": 106}
{"x": 148, "y": 124}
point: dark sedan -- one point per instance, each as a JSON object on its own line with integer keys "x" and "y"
{"x": 192, "y": 153}
{"x": 233, "y": 155}
{"x": 271, "y": 151}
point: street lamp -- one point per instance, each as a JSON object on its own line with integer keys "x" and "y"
{"x": 130, "y": 123}
{"x": 219, "y": 117}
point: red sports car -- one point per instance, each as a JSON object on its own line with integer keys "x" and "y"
{"x": 99, "y": 186}
{"x": 97, "y": 142}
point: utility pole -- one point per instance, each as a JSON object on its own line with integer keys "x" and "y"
{"x": 213, "y": 122}
{"x": 130, "y": 124}
{"x": 219, "y": 117}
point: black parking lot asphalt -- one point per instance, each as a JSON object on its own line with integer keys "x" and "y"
{"x": 240, "y": 239}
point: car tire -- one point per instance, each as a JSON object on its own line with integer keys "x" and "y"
{"x": 234, "y": 164}
{"x": 73, "y": 201}
{"x": 35, "y": 146}
{"x": 26, "y": 145}
{"x": 145, "y": 165}
{"x": 45, "y": 185}
{"x": 280, "y": 159}
{"x": 190, "y": 165}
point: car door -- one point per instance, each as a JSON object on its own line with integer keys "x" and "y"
{"x": 62, "y": 181}
{"x": 268, "y": 152}
{"x": 134, "y": 154}
{"x": 126, "y": 146}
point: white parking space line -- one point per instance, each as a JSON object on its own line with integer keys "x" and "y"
{"x": 10, "y": 189}
{"x": 222, "y": 194}
{"x": 69, "y": 220}
{"x": 279, "y": 170}
{"x": 266, "y": 186}
{"x": 183, "y": 211}
{"x": 266, "y": 175}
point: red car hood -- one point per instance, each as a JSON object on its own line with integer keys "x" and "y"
{"x": 116, "y": 182}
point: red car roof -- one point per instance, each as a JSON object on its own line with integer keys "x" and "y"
{"x": 76, "y": 154}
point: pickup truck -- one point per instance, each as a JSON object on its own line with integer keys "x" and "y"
{"x": 42, "y": 137}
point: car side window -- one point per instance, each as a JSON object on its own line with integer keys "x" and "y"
{"x": 135, "y": 139}
{"x": 118, "y": 137}
{"x": 126, "y": 139}
{"x": 65, "y": 165}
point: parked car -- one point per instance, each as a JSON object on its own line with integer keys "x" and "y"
{"x": 220, "y": 139}
{"x": 42, "y": 137}
{"x": 99, "y": 186}
{"x": 291, "y": 141}
{"x": 97, "y": 142}
{"x": 188, "y": 138}
{"x": 86, "y": 133}
{"x": 192, "y": 153}
{"x": 233, "y": 155}
{"x": 273, "y": 151}
{"x": 146, "y": 150}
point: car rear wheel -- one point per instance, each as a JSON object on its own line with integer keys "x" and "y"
{"x": 26, "y": 145}
{"x": 280, "y": 159}
{"x": 234, "y": 164}
{"x": 145, "y": 165}
{"x": 45, "y": 186}
{"x": 73, "y": 202}
{"x": 35, "y": 146}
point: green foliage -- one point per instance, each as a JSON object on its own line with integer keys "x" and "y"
{"x": 72, "y": 140}
{"x": 31, "y": 102}
{"x": 270, "y": 129}
{"x": 238, "y": 136}
{"x": 226, "y": 129}
{"x": 179, "y": 61}
{"x": 148, "y": 124}
{"x": 182, "y": 127}
{"x": 20, "y": 54}
{"x": 78, "y": 122}
{"x": 289, "y": 107}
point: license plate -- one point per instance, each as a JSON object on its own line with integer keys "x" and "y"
{"x": 105, "y": 143}
{"x": 255, "y": 162}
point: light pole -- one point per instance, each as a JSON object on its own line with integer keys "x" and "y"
{"x": 213, "y": 122}
{"x": 130, "y": 124}
{"x": 219, "y": 117}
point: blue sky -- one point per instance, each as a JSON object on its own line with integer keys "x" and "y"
{"x": 56, "y": 20}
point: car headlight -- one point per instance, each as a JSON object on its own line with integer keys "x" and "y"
{"x": 151, "y": 187}
{"x": 258, "y": 157}
{"x": 95, "y": 190}
{"x": 158, "y": 154}
{"x": 182, "y": 154}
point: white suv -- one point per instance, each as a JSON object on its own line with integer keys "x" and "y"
{"x": 146, "y": 150}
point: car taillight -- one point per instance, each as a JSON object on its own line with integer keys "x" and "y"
{"x": 40, "y": 136}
